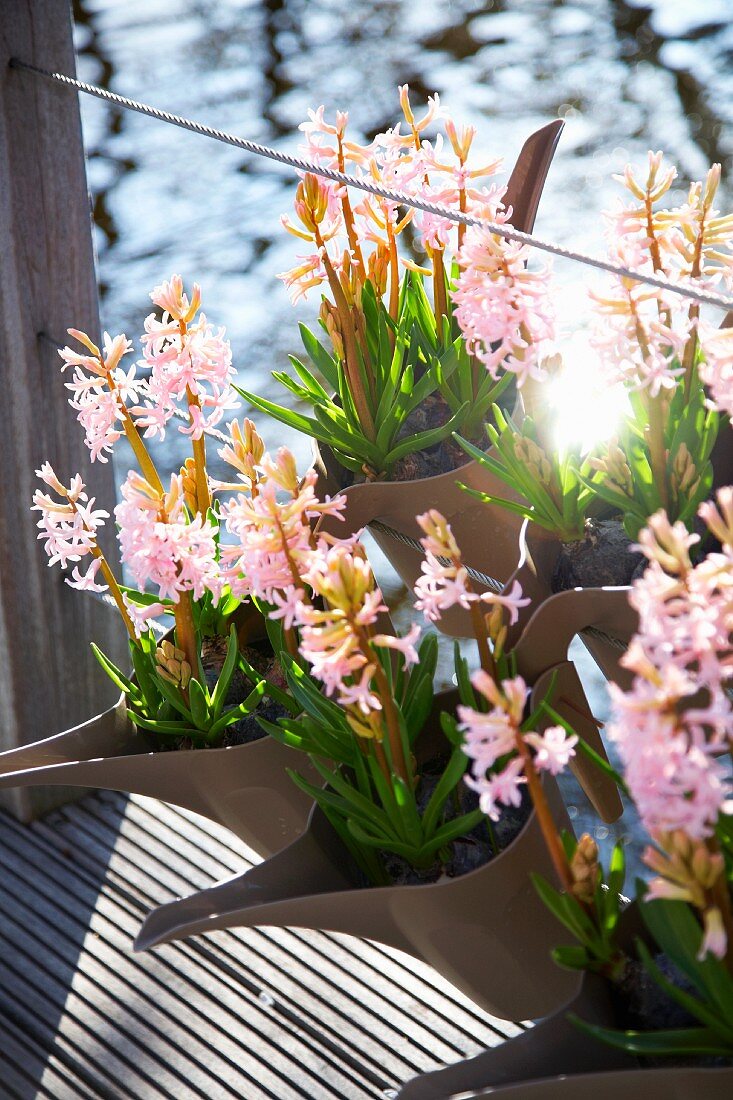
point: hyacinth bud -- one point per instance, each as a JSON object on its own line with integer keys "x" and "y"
{"x": 719, "y": 520}
{"x": 678, "y": 843}
{"x": 461, "y": 144}
{"x": 404, "y": 90}
{"x": 85, "y": 340}
{"x": 584, "y": 869}
{"x": 615, "y": 467}
{"x": 496, "y": 630}
{"x": 283, "y": 470}
{"x": 171, "y": 665}
{"x": 343, "y": 579}
{"x": 684, "y": 477}
{"x": 715, "y": 940}
{"x": 706, "y": 866}
{"x": 712, "y": 182}
{"x": 172, "y": 499}
{"x": 379, "y": 269}
{"x": 687, "y": 868}
{"x": 369, "y": 727}
{"x": 656, "y": 185}
{"x": 533, "y": 457}
{"x": 349, "y": 279}
{"x": 667, "y": 543}
{"x": 188, "y": 478}
{"x": 311, "y": 201}
{"x": 331, "y": 322}
{"x": 171, "y": 298}
{"x": 439, "y": 538}
{"x": 495, "y": 621}
{"x": 246, "y": 449}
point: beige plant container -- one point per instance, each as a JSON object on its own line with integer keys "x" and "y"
{"x": 486, "y": 931}
{"x": 244, "y": 787}
{"x": 556, "y": 1061}
{"x": 602, "y": 617}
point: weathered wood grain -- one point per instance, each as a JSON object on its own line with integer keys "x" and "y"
{"x": 242, "y": 1014}
{"x": 48, "y": 677}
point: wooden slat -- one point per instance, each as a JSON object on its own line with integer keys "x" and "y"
{"x": 49, "y": 679}
{"x": 266, "y": 1014}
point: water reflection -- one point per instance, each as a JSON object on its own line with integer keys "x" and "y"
{"x": 626, "y": 76}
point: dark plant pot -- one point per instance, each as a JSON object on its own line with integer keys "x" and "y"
{"x": 487, "y": 931}
{"x": 555, "y": 1061}
{"x": 487, "y": 536}
{"x": 243, "y": 787}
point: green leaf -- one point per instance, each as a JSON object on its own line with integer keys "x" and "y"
{"x": 173, "y": 696}
{"x": 319, "y": 356}
{"x": 569, "y": 912}
{"x": 116, "y": 676}
{"x": 421, "y": 441}
{"x": 677, "y": 931}
{"x": 199, "y": 703}
{"x": 144, "y": 666}
{"x": 145, "y": 599}
{"x": 452, "y": 774}
{"x": 675, "y": 1042}
{"x": 235, "y": 713}
{"x": 292, "y": 419}
{"x": 571, "y": 958}
{"x": 227, "y": 671}
{"x": 452, "y": 830}
{"x": 707, "y": 1017}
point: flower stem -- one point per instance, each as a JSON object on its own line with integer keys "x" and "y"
{"x": 351, "y": 354}
{"x": 203, "y": 496}
{"x": 657, "y": 449}
{"x": 394, "y": 275}
{"x": 185, "y": 630}
{"x": 479, "y": 630}
{"x": 147, "y": 466}
{"x": 114, "y": 591}
{"x": 114, "y": 588}
{"x": 382, "y": 760}
{"x": 544, "y": 817}
{"x": 393, "y": 725}
{"x": 441, "y": 304}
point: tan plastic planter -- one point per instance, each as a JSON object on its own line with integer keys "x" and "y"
{"x": 556, "y": 1061}
{"x": 487, "y": 536}
{"x": 244, "y": 787}
{"x": 638, "y": 1084}
{"x": 547, "y": 626}
{"x": 487, "y": 931}
{"x": 553, "y": 1047}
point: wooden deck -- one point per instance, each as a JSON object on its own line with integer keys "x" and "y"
{"x": 263, "y": 1014}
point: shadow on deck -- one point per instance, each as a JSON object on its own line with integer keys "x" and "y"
{"x": 261, "y": 1014}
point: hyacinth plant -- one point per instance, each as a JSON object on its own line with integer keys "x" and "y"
{"x": 653, "y": 343}
{"x": 362, "y": 736}
{"x": 673, "y": 732}
{"x": 396, "y": 342}
{"x": 170, "y": 536}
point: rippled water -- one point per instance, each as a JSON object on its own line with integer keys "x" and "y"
{"x": 626, "y": 76}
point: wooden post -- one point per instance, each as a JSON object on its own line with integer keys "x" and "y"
{"x": 49, "y": 679}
